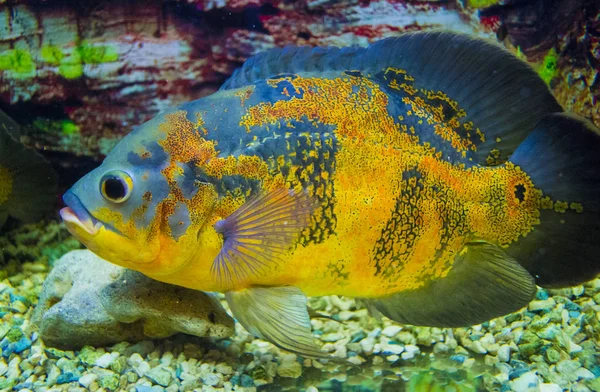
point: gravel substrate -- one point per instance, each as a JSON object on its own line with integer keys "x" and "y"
{"x": 550, "y": 346}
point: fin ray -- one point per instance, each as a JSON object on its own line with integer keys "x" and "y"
{"x": 484, "y": 283}
{"x": 501, "y": 94}
{"x": 277, "y": 314}
{"x": 562, "y": 158}
{"x": 258, "y": 233}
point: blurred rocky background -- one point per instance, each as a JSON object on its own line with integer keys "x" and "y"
{"x": 78, "y": 75}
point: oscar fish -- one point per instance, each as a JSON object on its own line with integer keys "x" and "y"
{"x": 431, "y": 175}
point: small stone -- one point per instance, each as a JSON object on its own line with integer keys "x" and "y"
{"x": 504, "y": 353}
{"x": 3, "y": 367}
{"x": 491, "y": 360}
{"x": 585, "y": 374}
{"x": 223, "y": 368}
{"x": 212, "y": 379}
{"x": 52, "y": 375}
{"x": 528, "y": 349}
{"x": 289, "y": 369}
{"x": 392, "y": 358}
{"x": 469, "y": 362}
{"x": 406, "y": 337}
{"x": 550, "y": 388}
{"x": 356, "y": 360}
{"x": 477, "y": 347}
{"x": 539, "y": 305}
{"x": 332, "y": 337}
{"x": 440, "y": 348}
{"x": 87, "y": 379}
{"x": 528, "y": 381}
{"x": 104, "y": 361}
{"x": 552, "y": 355}
{"x": 390, "y": 349}
{"x": 159, "y": 375}
{"x": 367, "y": 345}
{"x": 110, "y": 382}
{"x": 568, "y": 366}
{"x": 548, "y": 333}
{"x": 88, "y": 355}
{"x": 391, "y": 330}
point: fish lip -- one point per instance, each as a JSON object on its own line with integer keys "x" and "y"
{"x": 76, "y": 213}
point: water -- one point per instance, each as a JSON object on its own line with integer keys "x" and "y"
{"x": 74, "y": 79}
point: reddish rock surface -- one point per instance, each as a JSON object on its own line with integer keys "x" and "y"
{"x": 105, "y": 66}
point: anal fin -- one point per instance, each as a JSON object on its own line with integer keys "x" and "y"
{"x": 484, "y": 283}
{"x": 278, "y": 315}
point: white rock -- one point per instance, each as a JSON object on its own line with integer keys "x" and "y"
{"x": 87, "y": 379}
{"x": 574, "y": 348}
{"x": 504, "y": 353}
{"x": 406, "y": 355}
{"x": 367, "y": 345}
{"x": 584, "y": 373}
{"x": 392, "y": 348}
{"x": 392, "y": 358}
{"x": 105, "y": 360}
{"x": 527, "y": 382}
{"x": 411, "y": 348}
{"x": 356, "y": 360}
{"x": 224, "y": 368}
{"x": 545, "y": 304}
{"x": 391, "y": 330}
{"x": 469, "y": 362}
{"x": 3, "y": 367}
{"x": 550, "y": 388}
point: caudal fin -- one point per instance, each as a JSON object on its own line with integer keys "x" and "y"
{"x": 562, "y": 158}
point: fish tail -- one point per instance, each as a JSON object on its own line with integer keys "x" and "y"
{"x": 562, "y": 158}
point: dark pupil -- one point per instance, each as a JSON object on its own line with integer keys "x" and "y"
{"x": 114, "y": 189}
{"x": 520, "y": 192}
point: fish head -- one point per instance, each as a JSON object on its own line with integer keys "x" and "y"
{"x": 143, "y": 207}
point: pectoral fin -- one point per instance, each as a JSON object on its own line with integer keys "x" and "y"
{"x": 257, "y": 234}
{"x": 276, "y": 314}
{"x": 484, "y": 283}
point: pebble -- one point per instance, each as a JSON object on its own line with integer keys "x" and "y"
{"x": 550, "y": 388}
{"x": 3, "y": 367}
{"x": 356, "y": 360}
{"x": 538, "y": 305}
{"x": 105, "y": 360}
{"x": 367, "y": 345}
{"x": 87, "y": 379}
{"x": 223, "y": 368}
{"x": 391, "y": 330}
{"x": 389, "y": 349}
{"x": 503, "y": 353}
{"x": 289, "y": 369}
{"x": 212, "y": 379}
{"x": 526, "y": 382}
{"x": 585, "y": 374}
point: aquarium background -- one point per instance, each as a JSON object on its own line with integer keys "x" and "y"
{"x": 79, "y": 75}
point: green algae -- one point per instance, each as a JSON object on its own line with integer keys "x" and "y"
{"x": 19, "y": 61}
{"x": 51, "y": 54}
{"x": 96, "y": 54}
{"x": 57, "y": 127}
{"x": 549, "y": 67}
{"x": 482, "y": 3}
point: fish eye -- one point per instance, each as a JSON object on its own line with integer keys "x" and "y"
{"x": 116, "y": 186}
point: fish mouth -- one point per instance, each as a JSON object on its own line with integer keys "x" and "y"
{"x": 76, "y": 213}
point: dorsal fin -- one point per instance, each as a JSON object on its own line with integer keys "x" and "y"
{"x": 501, "y": 95}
